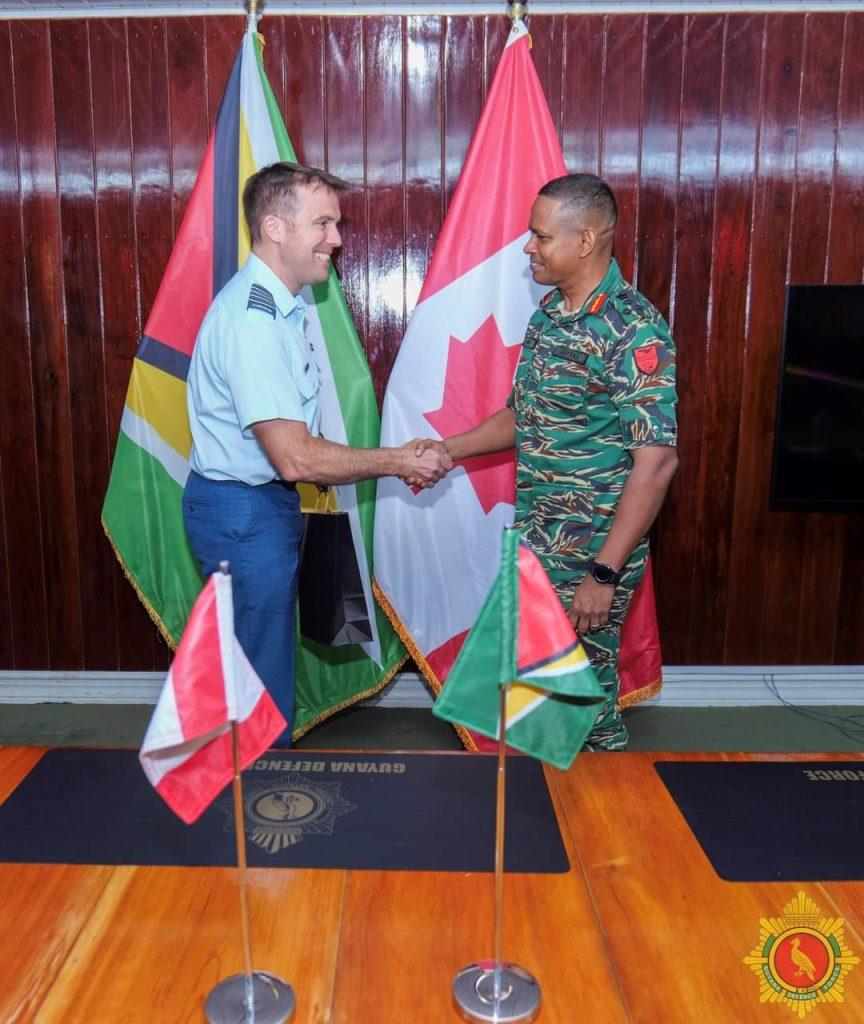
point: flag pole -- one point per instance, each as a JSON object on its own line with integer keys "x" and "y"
{"x": 493, "y": 991}
{"x": 240, "y": 835}
{"x": 252, "y": 997}
{"x": 500, "y": 808}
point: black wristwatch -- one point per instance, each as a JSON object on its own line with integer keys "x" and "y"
{"x": 604, "y": 573}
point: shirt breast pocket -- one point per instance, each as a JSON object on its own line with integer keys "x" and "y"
{"x": 562, "y": 391}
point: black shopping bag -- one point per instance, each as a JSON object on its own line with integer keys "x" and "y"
{"x": 333, "y": 607}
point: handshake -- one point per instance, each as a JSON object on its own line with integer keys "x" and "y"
{"x": 424, "y": 461}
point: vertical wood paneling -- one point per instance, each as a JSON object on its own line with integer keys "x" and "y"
{"x": 755, "y": 608}
{"x": 734, "y": 168}
{"x": 547, "y": 34}
{"x": 812, "y": 546}
{"x": 272, "y": 31}
{"x": 90, "y": 466}
{"x": 621, "y": 127}
{"x": 112, "y": 145}
{"x": 661, "y": 117}
{"x": 151, "y": 175}
{"x": 41, "y": 243}
{"x": 846, "y": 266}
{"x": 583, "y": 62}
{"x": 724, "y": 345}
{"x": 25, "y": 625}
{"x": 463, "y": 67}
{"x": 423, "y": 167}
{"x": 346, "y": 145}
{"x": 689, "y": 315}
{"x": 221, "y": 38}
{"x": 187, "y": 107}
{"x": 304, "y": 106}
{"x": 383, "y": 55}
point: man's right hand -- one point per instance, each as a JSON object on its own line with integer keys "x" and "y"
{"x": 426, "y": 462}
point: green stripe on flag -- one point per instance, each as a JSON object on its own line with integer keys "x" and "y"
{"x": 143, "y": 516}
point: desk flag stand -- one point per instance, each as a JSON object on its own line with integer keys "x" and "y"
{"x": 252, "y": 997}
{"x": 491, "y": 991}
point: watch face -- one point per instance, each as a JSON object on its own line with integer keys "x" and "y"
{"x": 603, "y": 573}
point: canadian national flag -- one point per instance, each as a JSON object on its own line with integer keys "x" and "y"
{"x": 437, "y": 551}
{"x": 187, "y": 753}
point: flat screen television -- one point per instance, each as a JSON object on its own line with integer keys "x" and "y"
{"x": 819, "y": 432}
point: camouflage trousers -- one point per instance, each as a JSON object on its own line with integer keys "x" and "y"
{"x": 602, "y": 645}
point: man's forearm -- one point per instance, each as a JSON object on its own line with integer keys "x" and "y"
{"x": 495, "y": 434}
{"x": 325, "y": 462}
{"x": 297, "y": 456}
{"x": 638, "y": 506}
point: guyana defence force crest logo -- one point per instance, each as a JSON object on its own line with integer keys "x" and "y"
{"x": 280, "y": 814}
{"x": 801, "y": 958}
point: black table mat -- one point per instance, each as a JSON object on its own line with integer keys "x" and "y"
{"x": 431, "y": 812}
{"x": 774, "y": 821}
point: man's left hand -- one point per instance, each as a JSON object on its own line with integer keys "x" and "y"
{"x": 590, "y": 606}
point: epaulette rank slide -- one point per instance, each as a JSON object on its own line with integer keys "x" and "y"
{"x": 260, "y": 298}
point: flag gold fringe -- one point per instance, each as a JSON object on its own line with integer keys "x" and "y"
{"x": 318, "y": 719}
{"x": 169, "y": 640}
{"x": 402, "y": 632}
{"x": 127, "y": 572}
{"x": 643, "y": 693}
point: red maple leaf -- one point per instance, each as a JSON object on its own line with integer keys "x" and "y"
{"x": 477, "y": 382}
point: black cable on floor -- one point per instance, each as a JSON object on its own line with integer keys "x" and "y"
{"x": 850, "y": 726}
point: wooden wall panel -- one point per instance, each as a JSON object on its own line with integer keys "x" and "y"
{"x": 23, "y": 606}
{"x": 756, "y": 599}
{"x": 152, "y": 192}
{"x": 79, "y": 246}
{"x": 45, "y": 304}
{"x": 384, "y": 61}
{"x": 676, "y": 541}
{"x": 733, "y": 143}
{"x": 112, "y": 149}
{"x": 811, "y": 547}
{"x": 715, "y": 442}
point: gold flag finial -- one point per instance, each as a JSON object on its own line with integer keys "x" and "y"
{"x": 515, "y": 11}
{"x": 252, "y": 14}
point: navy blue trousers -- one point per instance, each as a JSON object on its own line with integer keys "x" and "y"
{"x": 257, "y": 530}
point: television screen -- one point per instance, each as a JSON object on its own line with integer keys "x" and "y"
{"x": 819, "y": 434}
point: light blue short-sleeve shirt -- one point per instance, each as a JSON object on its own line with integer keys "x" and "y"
{"x": 251, "y": 362}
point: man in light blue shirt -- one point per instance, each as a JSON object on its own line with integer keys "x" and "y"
{"x": 252, "y": 393}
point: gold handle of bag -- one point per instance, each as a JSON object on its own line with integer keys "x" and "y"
{"x": 326, "y": 495}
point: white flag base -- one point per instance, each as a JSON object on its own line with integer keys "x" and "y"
{"x": 273, "y": 1001}
{"x": 518, "y": 997}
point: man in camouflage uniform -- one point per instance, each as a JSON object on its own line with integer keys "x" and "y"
{"x": 592, "y": 417}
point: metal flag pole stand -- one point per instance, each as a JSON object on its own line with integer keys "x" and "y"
{"x": 252, "y": 997}
{"x": 491, "y": 991}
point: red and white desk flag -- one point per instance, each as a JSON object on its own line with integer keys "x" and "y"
{"x": 187, "y": 752}
{"x": 437, "y": 551}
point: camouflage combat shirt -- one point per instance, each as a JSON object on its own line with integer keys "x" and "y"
{"x": 590, "y": 386}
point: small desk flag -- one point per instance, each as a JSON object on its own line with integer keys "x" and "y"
{"x": 187, "y": 753}
{"x": 523, "y": 637}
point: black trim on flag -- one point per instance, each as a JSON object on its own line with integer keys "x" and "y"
{"x": 226, "y": 172}
{"x": 523, "y": 669}
{"x": 163, "y": 357}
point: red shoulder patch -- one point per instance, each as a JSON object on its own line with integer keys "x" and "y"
{"x": 646, "y": 357}
{"x": 597, "y": 304}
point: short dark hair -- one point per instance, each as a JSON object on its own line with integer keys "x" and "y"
{"x": 274, "y": 188}
{"x": 584, "y": 192}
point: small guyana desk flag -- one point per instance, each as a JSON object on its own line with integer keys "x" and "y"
{"x": 523, "y": 637}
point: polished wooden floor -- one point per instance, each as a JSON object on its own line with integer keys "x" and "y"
{"x": 641, "y": 929}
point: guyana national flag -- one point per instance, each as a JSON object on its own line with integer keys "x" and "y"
{"x": 523, "y": 637}
{"x": 142, "y": 513}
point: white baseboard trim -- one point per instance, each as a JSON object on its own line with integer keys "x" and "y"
{"x": 699, "y": 686}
